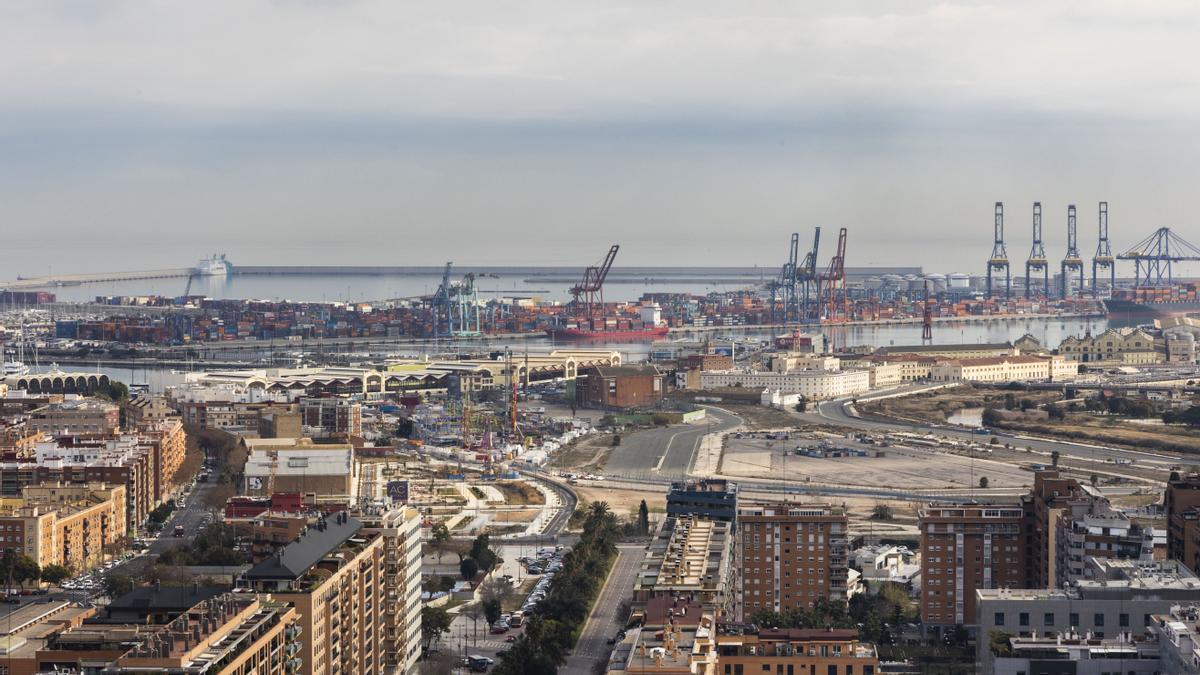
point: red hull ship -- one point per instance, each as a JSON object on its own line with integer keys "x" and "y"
{"x": 615, "y": 334}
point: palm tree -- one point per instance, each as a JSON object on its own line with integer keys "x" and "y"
{"x": 600, "y": 509}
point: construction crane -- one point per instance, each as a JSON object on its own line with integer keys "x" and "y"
{"x": 1104, "y": 257}
{"x": 999, "y": 259}
{"x": 591, "y": 289}
{"x": 806, "y": 275}
{"x": 1072, "y": 261}
{"x": 1037, "y": 256}
{"x": 833, "y": 280}
{"x": 1152, "y": 257}
{"x": 926, "y": 318}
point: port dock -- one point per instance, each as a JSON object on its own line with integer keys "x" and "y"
{"x": 38, "y": 283}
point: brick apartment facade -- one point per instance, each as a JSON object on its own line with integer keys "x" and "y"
{"x": 1181, "y": 505}
{"x": 790, "y": 556}
{"x": 964, "y": 548}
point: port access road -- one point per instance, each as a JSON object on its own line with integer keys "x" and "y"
{"x": 843, "y": 413}
{"x": 668, "y": 451}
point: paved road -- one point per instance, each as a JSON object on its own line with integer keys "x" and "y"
{"x": 838, "y": 412}
{"x": 667, "y": 451}
{"x": 604, "y": 621}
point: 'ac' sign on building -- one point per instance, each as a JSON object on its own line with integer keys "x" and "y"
{"x": 398, "y": 490}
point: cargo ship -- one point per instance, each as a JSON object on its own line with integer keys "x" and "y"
{"x": 1159, "y": 309}
{"x": 576, "y": 333}
{"x": 1154, "y": 302}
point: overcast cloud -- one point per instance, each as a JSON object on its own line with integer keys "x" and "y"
{"x": 146, "y": 134}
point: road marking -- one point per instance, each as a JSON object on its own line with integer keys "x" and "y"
{"x": 668, "y": 448}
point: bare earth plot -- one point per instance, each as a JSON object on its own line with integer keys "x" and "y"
{"x": 899, "y": 468}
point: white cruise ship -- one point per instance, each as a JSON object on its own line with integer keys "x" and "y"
{"x": 216, "y": 266}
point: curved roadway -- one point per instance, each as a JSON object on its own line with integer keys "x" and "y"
{"x": 666, "y": 452}
{"x": 840, "y": 412}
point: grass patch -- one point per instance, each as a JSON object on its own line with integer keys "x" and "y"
{"x": 479, "y": 494}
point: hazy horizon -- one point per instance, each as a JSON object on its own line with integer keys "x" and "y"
{"x": 312, "y": 132}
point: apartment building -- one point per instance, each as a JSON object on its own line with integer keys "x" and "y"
{"x": 66, "y": 525}
{"x": 1052, "y": 499}
{"x": 338, "y": 576}
{"x": 713, "y": 498}
{"x": 965, "y": 548}
{"x": 167, "y": 441}
{"x": 1181, "y": 505}
{"x": 689, "y": 558}
{"x": 1100, "y": 534}
{"x": 76, "y": 416}
{"x": 751, "y": 649}
{"x": 123, "y": 460}
{"x": 401, "y": 531}
{"x": 219, "y": 633}
{"x": 232, "y": 634}
{"x": 790, "y": 556}
{"x": 1120, "y": 599}
{"x": 332, "y": 415}
{"x": 1176, "y": 634}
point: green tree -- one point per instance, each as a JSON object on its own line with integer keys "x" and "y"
{"x": 483, "y": 554}
{"x": 435, "y": 621}
{"x": 983, "y": 481}
{"x": 115, "y": 391}
{"x": 116, "y": 585}
{"x": 55, "y": 574}
{"x": 1054, "y": 456}
{"x": 439, "y": 536}
{"x": 802, "y": 404}
{"x": 644, "y": 518}
{"x": 881, "y": 512}
{"x": 492, "y": 610}
{"x": 469, "y": 568}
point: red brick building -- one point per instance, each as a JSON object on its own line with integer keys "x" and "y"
{"x": 790, "y": 556}
{"x": 620, "y": 387}
{"x": 965, "y": 548}
{"x": 1181, "y": 504}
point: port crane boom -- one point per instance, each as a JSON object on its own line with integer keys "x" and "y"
{"x": 591, "y": 289}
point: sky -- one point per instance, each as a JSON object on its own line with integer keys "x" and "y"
{"x": 147, "y": 134}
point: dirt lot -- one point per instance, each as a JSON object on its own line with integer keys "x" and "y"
{"x": 762, "y": 417}
{"x": 588, "y": 453}
{"x": 518, "y": 492}
{"x": 899, "y": 468}
{"x": 621, "y": 501}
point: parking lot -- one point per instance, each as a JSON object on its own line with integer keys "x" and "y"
{"x": 470, "y": 637}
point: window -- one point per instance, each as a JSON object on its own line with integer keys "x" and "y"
{"x": 1023, "y": 618}
{"x": 1074, "y": 620}
{"x": 1048, "y": 619}
{"x": 1123, "y": 620}
{"x": 998, "y": 620}
{"x": 1098, "y": 619}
